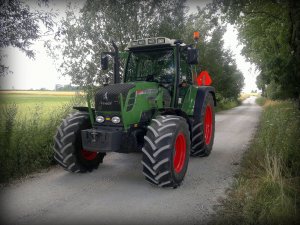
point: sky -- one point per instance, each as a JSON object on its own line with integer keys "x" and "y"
{"x": 41, "y": 72}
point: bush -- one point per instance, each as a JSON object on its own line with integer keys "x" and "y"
{"x": 261, "y": 101}
{"x": 225, "y": 103}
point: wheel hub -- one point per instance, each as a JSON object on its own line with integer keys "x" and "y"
{"x": 88, "y": 155}
{"x": 180, "y": 153}
{"x": 208, "y": 124}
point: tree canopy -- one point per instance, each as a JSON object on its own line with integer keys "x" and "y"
{"x": 270, "y": 33}
{"x": 20, "y": 27}
{"x": 83, "y": 36}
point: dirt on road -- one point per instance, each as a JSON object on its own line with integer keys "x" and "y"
{"x": 117, "y": 193}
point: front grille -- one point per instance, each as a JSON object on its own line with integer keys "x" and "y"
{"x": 107, "y": 98}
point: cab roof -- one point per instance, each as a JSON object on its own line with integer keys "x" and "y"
{"x": 152, "y": 42}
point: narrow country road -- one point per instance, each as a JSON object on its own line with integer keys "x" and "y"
{"x": 117, "y": 193}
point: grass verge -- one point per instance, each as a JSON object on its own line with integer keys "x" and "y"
{"x": 267, "y": 188}
{"x": 261, "y": 101}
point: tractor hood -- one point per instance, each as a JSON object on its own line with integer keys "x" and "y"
{"x": 133, "y": 102}
{"x": 107, "y": 98}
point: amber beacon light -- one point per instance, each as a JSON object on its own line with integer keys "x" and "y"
{"x": 196, "y": 35}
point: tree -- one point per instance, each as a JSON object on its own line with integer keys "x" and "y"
{"x": 269, "y": 32}
{"x": 82, "y": 38}
{"x": 20, "y": 26}
{"x": 227, "y": 79}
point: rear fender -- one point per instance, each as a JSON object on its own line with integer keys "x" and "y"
{"x": 202, "y": 92}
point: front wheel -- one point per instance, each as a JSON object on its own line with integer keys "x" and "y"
{"x": 166, "y": 151}
{"x": 68, "y": 150}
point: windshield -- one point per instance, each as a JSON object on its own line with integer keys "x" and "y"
{"x": 155, "y": 66}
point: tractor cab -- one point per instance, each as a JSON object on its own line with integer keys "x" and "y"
{"x": 163, "y": 61}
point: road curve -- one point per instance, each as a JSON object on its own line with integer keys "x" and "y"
{"x": 117, "y": 193}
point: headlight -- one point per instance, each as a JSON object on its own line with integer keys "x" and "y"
{"x": 141, "y": 42}
{"x": 160, "y": 40}
{"x": 134, "y": 43}
{"x": 151, "y": 41}
{"x": 100, "y": 119}
{"x": 115, "y": 119}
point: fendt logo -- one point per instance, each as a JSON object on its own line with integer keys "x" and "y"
{"x": 105, "y": 96}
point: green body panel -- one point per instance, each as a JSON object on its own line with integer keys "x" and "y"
{"x": 148, "y": 95}
{"x": 189, "y": 100}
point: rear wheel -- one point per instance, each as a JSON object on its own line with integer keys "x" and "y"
{"x": 68, "y": 149}
{"x": 203, "y": 129}
{"x": 166, "y": 151}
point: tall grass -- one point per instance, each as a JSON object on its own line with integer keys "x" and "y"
{"x": 27, "y": 135}
{"x": 226, "y": 103}
{"x": 267, "y": 189}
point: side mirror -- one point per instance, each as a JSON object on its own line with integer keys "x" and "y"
{"x": 192, "y": 56}
{"x": 104, "y": 62}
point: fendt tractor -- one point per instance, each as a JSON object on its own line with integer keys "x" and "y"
{"x": 161, "y": 108}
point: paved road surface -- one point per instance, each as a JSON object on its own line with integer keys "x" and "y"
{"x": 117, "y": 193}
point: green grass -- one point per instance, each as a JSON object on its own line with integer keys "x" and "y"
{"x": 261, "y": 101}
{"x": 27, "y": 125}
{"x": 225, "y": 104}
{"x": 267, "y": 188}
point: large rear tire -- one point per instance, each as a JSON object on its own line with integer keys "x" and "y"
{"x": 166, "y": 151}
{"x": 203, "y": 130}
{"x": 68, "y": 150}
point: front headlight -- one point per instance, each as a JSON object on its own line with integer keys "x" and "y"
{"x": 100, "y": 119}
{"x": 115, "y": 119}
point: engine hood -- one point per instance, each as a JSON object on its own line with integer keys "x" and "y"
{"x": 107, "y": 98}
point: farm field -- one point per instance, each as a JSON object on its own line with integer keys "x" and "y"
{"x": 44, "y": 101}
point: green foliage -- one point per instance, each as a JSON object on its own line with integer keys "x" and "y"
{"x": 27, "y": 130}
{"x": 261, "y": 101}
{"x": 20, "y": 26}
{"x": 267, "y": 188}
{"x": 82, "y": 38}
{"x": 276, "y": 91}
{"x": 225, "y": 103}
{"x": 266, "y": 31}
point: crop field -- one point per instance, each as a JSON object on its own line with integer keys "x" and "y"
{"x": 28, "y": 121}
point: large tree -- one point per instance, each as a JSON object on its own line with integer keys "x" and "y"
{"x": 20, "y": 27}
{"x": 82, "y": 37}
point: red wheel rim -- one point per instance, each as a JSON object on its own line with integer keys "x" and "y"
{"x": 208, "y": 124}
{"x": 180, "y": 153}
{"x": 88, "y": 155}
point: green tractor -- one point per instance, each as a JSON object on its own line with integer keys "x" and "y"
{"x": 161, "y": 109}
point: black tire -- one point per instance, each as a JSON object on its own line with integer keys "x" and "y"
{"x": 159, "y": 151}
{"x": 68, "y": 145}
{"x": 199, "y": 146}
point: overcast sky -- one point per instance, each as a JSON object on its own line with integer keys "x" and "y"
{"x": 41, "y": 72}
